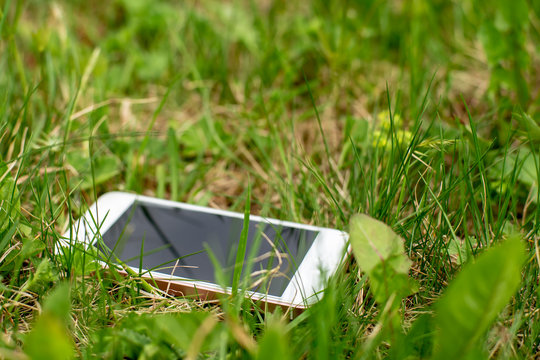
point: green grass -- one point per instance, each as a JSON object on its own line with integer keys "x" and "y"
{"x": 422, "y": 114}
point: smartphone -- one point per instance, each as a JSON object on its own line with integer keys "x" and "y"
{"x": 193, "y": 250}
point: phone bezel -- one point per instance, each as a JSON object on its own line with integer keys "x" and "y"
{"x": 322, "y": 259}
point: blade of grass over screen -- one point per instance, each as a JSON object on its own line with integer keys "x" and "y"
{"x": 172, "y": 148}
{"x": 242, "y": 244}
{"x": 246, "y": 279}
{"x": 141, "y": 256}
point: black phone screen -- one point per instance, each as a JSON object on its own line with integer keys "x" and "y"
{"x": 178, "y": 241}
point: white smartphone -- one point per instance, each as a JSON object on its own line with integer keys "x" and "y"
{"x": 177, "y": 245}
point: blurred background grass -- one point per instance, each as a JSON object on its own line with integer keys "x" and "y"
{"x": 232, "y": 68}
{"x": 235, "y": 70}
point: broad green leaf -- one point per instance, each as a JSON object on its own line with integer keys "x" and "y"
{"x": 475, "y": 298}
{"x": 10, "y": 203}
{"x": 380, "y": 253}
{"x": 374, "y": 242}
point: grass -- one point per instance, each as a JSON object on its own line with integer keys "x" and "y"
{"x": 422, "y": 114}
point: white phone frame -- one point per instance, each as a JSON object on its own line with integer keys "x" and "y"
{"x": 320, "y": 262}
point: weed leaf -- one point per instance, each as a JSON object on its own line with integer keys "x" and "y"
{"x": 475, "y": 298}
{"x": 379, "y": 252}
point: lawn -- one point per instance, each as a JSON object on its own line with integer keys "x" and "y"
{"x": 421, "y": 114}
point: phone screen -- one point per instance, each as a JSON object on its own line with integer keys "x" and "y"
{"x": 178, "y": 241}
